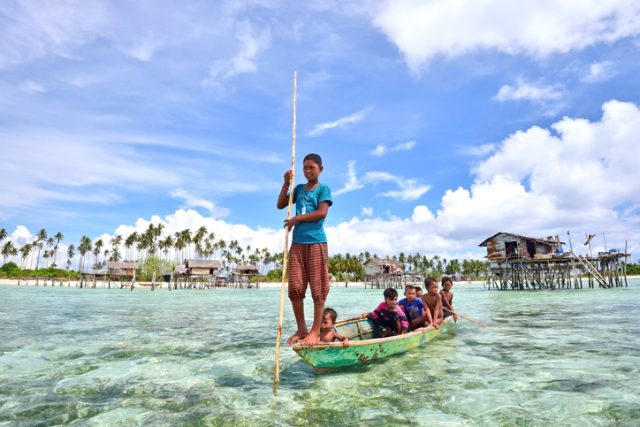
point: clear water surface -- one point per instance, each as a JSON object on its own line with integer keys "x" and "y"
{"x": 115, "y": 357}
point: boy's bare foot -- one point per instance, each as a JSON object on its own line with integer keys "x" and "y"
{"x": 311, "y": 339}
{"x": 297, "y": 337}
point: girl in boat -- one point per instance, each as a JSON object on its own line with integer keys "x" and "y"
{"x": 388, "y": 315}
{"x": 308, "y": 256}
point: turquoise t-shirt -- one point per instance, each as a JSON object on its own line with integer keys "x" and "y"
{"x": 307, "y": 202}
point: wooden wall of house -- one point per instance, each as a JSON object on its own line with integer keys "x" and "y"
{"x": 201, "y": 271}
{"x": 497, "y": 247}
{"x": 371, "y": 268}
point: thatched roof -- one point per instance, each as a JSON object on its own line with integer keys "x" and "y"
{"x": 180, "y": 269}
{"x": 202, "y": 263}
{"x": 122, "y": 265}
{"x": 248, "y": 267}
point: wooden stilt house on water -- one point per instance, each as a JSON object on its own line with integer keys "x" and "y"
{"x": 521, "y": 262}
{"x": 383, "y": 273}
{"x": 122, "y": 271}
{"x": 195, "y": 273}
{"x": 245, "y": 276}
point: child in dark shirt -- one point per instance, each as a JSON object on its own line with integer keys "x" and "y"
{"x": 389, "y": 315}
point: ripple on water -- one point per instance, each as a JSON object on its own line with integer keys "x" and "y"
{"x": 105, "y": 357}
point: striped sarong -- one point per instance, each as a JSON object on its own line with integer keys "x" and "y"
{"x": 309, "y": 265}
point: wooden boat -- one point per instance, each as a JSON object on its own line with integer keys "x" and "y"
{"x": 363, "y": 348}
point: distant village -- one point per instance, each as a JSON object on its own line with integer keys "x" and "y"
{"x": 513, "y": 262}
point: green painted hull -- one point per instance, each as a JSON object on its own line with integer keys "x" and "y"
{"x": 362, "y": 348}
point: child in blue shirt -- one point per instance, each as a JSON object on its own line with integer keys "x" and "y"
{"x": 412, "y": 306}
{"x": 308, "y": 256}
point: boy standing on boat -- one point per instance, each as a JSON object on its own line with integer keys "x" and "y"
{"x": 433, "y": 303}
{"x": 308, "y": 256}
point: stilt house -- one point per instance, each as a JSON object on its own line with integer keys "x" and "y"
{"x": 122, "y": 268}
{"x": 503, "y": 246}
{"x": 202, "y": 267}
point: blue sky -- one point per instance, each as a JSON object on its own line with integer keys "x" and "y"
{"x": 439, "y": 125}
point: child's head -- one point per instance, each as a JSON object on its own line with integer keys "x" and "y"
{"x": 391, "y": 298}
{"x": 432, "y": 285}
{"x": 312, "y": 167}
{"x": 329, "y": 317}
{"x": 410, "y": 293}
{"x": 447, "y": 283}
{"x": 418, "y": 291}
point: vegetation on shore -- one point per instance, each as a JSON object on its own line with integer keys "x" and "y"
{"x": 158, "y": 253}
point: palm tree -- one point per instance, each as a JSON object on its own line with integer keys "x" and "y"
{"x": 41, "y": 237}
{"x": 186, "y": 237}
{"x": 71, "y": 251}
{"x": 25, "y": 251}
{"x": 84, "y": 248}
{"x": 3, "y": 234}
{"x": 198, "y": 239}
{"x": 115, "y": 248}
{"x": 179, "y": 244}
{"x": 97, "y": 247}
{"x": 57, "y": 237}
{"x": 165, "y": 245}
{"x": 131, "y": 240}
{"x": 8, "y": 250}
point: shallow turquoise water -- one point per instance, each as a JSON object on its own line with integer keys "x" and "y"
{"x": 105, "y": 357}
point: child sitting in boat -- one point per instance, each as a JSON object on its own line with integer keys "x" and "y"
{"x": 388, "y": 315}
{"x": 328, "y": 332}
{"x": 433, "y": 303}
{"x": 418, "y": 291}
{"x": 447, "y": 299}
{"x": 412, "y": 306}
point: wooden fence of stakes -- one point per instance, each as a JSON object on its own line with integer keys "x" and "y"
{"x": 285, "y": 261}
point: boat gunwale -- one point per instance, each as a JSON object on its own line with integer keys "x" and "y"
{"x": 325, "y": 345}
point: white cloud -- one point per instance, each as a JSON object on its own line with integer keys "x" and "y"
{"x": 479, "y": 150}
{"x": 252, "y": 44}
{"x": 585, "y": 164}
{"x": 423, "y": 30}
{"x": 29, "y": 86}
{"x": 183, "y": 219}
{"x": 366, "y": 211}
{"x": 408, "y": 189}
{"x": 37, "y": 29}
{"x": 421, "y": 213}
{"x": 527, "y": 91}
{"x": 195, "y": 202}
{"x": 538, "y": 182}
{"x": 321, "y": 128}
{"x": 352, "y": 181}
{"x": 21, "y": 235}
{"x": 144, "y": 49}
{"x": 599, "y": 72}
{"x": 382, "y": 149}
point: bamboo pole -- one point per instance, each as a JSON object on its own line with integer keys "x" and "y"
{"x": 285, "y": 260}
{"x": 469, "y": 318}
